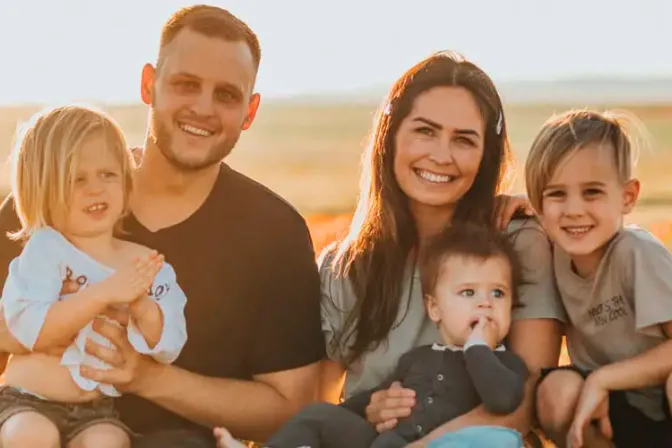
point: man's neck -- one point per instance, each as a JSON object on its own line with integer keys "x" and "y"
{"x": 164, "y": 195}
{"x": 157, "y": 177}
{"x": 430, "y": 221}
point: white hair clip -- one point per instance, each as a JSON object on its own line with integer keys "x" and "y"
{"x": 388, "y": 109}
{"x": 500, "y": 122}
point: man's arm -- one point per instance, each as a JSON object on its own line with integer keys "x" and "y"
{"x": 9, "y": 249}
{"x": 251, "y": 410}
{"x": 538, "y": 342}
{"x": 283, "y": 349}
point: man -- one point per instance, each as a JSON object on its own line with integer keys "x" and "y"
{"x": 242, "y": 255}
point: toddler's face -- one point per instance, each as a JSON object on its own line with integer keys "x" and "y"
{"x": 469, "y": 288}
{"x": 584, "y": 203}
{"x": 97, "y": 199}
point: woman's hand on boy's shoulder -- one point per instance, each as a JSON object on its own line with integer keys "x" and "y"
{"x": 507, "y": 207}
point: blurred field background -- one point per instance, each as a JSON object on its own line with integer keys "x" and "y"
{"x": 307, "y": 148}
{"x": 308, "y": 151}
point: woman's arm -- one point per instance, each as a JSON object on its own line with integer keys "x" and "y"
{"x": 332, "y": 380}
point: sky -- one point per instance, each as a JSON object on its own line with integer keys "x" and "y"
{"x": 94, "y": 50}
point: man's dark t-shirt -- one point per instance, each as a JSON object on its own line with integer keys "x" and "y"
{"x": 246, "y": 264}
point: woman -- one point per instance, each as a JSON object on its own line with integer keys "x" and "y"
{"x": 439, "y": 155}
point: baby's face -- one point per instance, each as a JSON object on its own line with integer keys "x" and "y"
{"x": 469, "y": 288}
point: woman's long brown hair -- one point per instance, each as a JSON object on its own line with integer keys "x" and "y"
{"x": 375, "y": 254}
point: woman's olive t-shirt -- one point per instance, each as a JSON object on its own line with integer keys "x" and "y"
{"x": 538, "y": 296}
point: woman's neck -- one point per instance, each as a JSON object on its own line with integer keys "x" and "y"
{"x": 430, "y": 221}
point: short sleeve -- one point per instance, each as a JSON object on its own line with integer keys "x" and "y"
{"x": 539, "y": 296}
{"x": 33, "y": 284}
{"x": 337, "y": 300}
{"x": 171, "y": 300}
{"x": 647, "y": 266}
{"x": 287, "y": 333}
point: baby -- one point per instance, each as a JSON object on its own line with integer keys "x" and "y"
{"x": 71, "y": 183}
{"x": 470, "y": 276}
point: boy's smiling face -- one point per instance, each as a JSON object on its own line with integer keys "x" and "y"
{"x": 584, "y": 203}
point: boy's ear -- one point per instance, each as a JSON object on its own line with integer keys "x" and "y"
{"x": 630, "y": 195}
{"x": 432, "y": 308}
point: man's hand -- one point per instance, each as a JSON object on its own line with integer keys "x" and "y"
{"x": 129, "y": 368}
{"x": 387, "y": 406}
{"x": 593, "y": 405}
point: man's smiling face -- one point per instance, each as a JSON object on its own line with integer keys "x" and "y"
{"x": 201, "y": 98}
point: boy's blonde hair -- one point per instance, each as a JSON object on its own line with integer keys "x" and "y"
{"x": 564, "y": 134}
{"x": 45, "y": 158}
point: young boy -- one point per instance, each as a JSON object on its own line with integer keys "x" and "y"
{"x": 471, "y": 277}
{"x": 615, "y": 283}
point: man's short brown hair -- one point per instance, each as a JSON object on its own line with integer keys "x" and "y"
{"x": 211, "y": 21}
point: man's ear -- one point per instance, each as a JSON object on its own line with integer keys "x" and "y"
{"x": 630, "y": 195}
{"x": 252, "y": 108}
{"x": 147, "y": 84}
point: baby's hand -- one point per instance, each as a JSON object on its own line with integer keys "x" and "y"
{"x": 485, "y": 330}
{"x": 131, "y": 281}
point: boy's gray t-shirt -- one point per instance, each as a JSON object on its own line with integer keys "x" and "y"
{"x": 413, "y": 328}
{"x": 617, "y": 313}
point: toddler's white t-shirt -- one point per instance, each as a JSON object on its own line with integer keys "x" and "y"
{"x": 34, "y": 282}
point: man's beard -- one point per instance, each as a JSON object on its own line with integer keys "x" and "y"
{"x": 161, "y": 137}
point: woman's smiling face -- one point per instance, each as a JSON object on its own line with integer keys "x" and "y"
{"x": 439, "y": 147}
